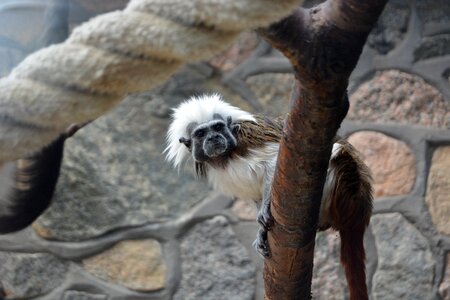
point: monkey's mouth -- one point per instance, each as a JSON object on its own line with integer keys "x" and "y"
{"x": 216, "y": 148}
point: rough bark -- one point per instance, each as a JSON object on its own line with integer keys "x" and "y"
{"x": 323, "y": 44}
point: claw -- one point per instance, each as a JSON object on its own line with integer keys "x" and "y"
{"x": 261, "y": 244}
{"x": 265, "y": 218}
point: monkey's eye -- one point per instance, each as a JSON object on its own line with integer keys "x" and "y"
{"x": 199, "y": 133}
{"x": 218, "y": 126}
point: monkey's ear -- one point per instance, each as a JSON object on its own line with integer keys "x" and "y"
{"x": 233, "y": 127}
{"x": 186, "y": 142}
{"x": 229, "y": 121}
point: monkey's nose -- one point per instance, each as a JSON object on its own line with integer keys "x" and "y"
{"x": 217, "y": 140}
{"x": 215, "y": 146}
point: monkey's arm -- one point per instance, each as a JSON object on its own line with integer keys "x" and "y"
{"x": 264, "y": 216}
{"x": 33, "y": 184}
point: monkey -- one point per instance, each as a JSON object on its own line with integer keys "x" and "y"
{"x": 237, "y": 151}
{"x": 29, "y": 184}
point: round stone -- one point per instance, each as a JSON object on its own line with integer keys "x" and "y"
{"x": 391, "y": 161}
{"x": 398, "y": 97}
{"x": 137, "y": 265}
{"x": 438, "y": 189}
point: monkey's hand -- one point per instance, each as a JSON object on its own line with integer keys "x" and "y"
{"x": 265, "y": 219}
{"x": 260, "y": 244}
{"x": 264, "y": 216}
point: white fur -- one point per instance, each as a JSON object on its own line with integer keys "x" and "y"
{"x": 243, "y": 177}
{"x": 336, "y": 150}
{"x": 330, "y": 182}
{"x": 197, "y": 109}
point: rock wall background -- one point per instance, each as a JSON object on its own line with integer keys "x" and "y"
{"x": 124, "y": 225}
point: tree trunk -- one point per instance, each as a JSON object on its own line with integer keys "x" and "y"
{"x": 323, "y": 44}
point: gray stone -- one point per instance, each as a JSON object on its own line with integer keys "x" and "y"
{"x": 433, "y": 11}
{"x": 190, "y": 80}
{"x": 77, "y": 295}
{"x": 114, "y": 175}
{"x": 214, "y": 264}
{"x": 273, "y": 91}
{"x": 30, "y": 275}
{"x": 329, "y": 281}
{"x": 446, "y": 75}
{"x": 405, "y": 264}
{"x": 390, "y": 28}
{"x": 434, "y": 46}
{"x": 444, "y": 287}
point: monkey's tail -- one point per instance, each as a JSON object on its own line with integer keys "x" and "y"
{"x": 353, "y": 258}
{"x": 35, "y": 180}
{"x": 350, "y": 210}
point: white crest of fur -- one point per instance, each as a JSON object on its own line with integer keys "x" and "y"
{"x": 197, "y": 109}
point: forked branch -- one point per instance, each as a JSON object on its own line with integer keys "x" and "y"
{"x": 323, "y": 44}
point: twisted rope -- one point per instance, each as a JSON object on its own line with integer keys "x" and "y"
{"x": 115, "y": 54}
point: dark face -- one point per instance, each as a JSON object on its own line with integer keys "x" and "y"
{"x": 211, "y": 140}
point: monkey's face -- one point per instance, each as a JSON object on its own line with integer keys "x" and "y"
{"x": 211, "y": 140}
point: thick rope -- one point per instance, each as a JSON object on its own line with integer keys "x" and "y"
{"x": 115, "y": 54}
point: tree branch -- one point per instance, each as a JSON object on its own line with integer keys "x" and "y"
{"x": 323, "y": 44}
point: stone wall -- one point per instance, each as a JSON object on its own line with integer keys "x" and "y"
{"x": 124, "y": 225}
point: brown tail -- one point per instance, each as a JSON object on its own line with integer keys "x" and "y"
{"x": 349, "y": 199}
{"x": 353, "y": 257}
{"x": 35, "y": 182}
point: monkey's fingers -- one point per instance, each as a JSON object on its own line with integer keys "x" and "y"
{"x": 264, "y": 217}
{"x": 260, "y": 244}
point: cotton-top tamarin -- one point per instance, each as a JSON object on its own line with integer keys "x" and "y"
{"x": 237, "y": 151}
